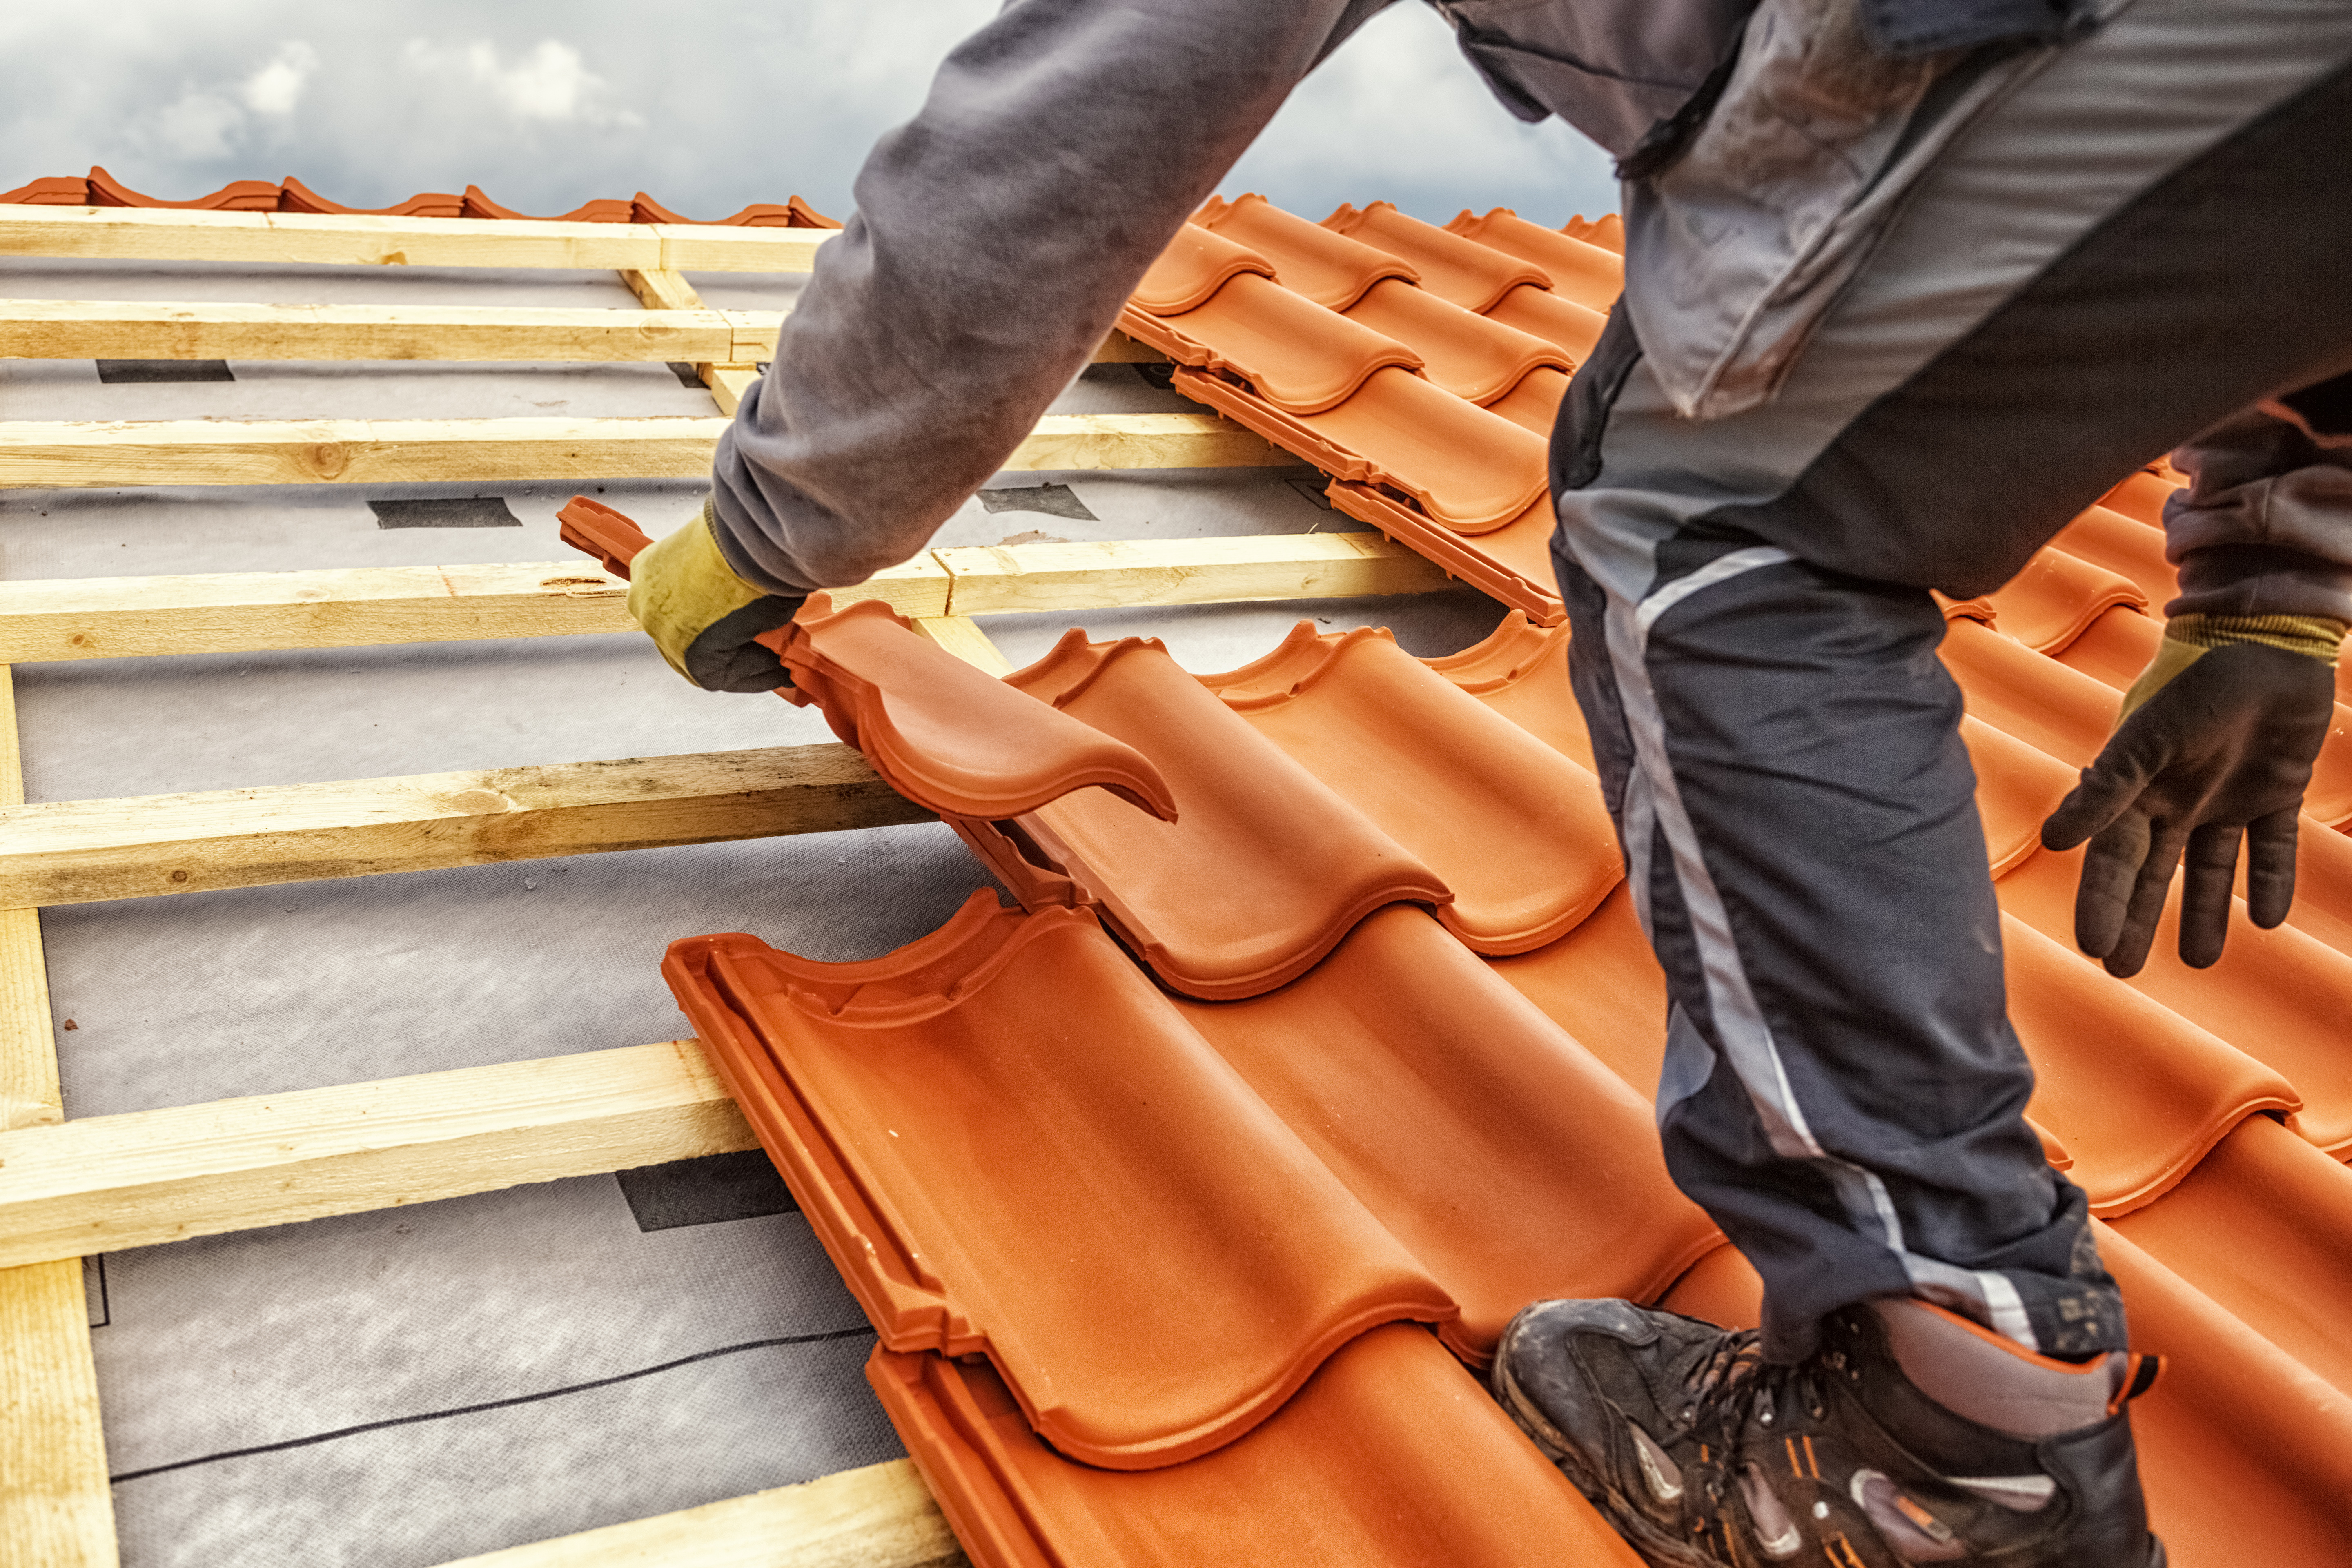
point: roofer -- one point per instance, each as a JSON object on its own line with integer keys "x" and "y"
{"x": 1909, "y": 284}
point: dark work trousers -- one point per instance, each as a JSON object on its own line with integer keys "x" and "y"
{"x": 2144, "y": 237}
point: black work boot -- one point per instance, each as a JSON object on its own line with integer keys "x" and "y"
{"x": 1910, "y": 1437}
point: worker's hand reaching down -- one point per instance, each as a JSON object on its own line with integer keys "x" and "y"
{"x": 2215, "y": 743}
{"x": 703, "y": 616}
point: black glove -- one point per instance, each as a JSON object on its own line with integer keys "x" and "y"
{"x": 2216, "y": 740}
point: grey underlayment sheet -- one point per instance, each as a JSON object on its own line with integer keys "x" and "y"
{"x": 418, "y": 1384}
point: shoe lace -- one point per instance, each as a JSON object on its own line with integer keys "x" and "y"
{"x": 1733, "y": 1385}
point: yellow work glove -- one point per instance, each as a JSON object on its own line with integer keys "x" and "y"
{"x": 2215, "y": 743}
{"x": 702, "y": 617}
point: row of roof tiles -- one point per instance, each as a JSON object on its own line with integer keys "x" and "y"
{"x": 101, "y": 189}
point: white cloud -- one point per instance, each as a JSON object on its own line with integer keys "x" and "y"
{"x": 278, "y": 86}
{"x": 550, "y": 83}
{"x": 198, "y": 125}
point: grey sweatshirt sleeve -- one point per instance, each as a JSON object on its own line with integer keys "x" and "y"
{"x": 996, "y": 236}
{"x": 2266, "y": 526}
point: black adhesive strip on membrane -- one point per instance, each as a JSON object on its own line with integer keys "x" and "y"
{"x": 445, "y": 511}
{"x": 685, "y": 373}
{"x": 1053, "y": 501}
{"x": 133, "y": 371}
{"x": 741, "y": 1186}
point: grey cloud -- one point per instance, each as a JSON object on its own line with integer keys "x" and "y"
{"x": 709, "y": 106}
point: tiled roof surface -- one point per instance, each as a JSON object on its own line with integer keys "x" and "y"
{"x": 101, "y": 189}
{"x": 1145, "y": 1257}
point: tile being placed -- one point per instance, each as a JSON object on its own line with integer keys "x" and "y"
{"x": 1391, "y": 1454}
{"x": 1265, "y": 871}
{"x": 1013, "y": 1144}
{"x": 1299, "y": 356}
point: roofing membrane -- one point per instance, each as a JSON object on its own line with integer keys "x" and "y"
{"x": 1149, "y": 1257}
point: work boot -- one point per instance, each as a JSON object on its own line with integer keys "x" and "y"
{"x": 1911, "y": 1435}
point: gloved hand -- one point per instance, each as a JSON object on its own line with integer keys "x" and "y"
{"x": 2215, "y": 741}
{"x": 702, "y": 617}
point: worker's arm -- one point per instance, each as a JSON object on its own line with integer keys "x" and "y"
{"x": 995, "y": 238}
{"x": 2216, "y": 740}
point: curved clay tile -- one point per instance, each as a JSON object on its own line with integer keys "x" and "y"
{"x": 1520, "y": 670}
{"x": 53, "y": 191}
{"x": 1515, "y": 829}
{"x": 604, "y": 210}
{"x": 1329, "y": 269}
{"x": 1462, "y": 271}
{"x": 1011, "y": 1145}
{"x": 793, "y": 213}
{"x": 1391, "y": 1454}
{"x": 1534, "y": 404}
{"x": 1265, "y": 872}
{"x": 2126, "y": 546}
{"x": 1508, "y": 1159}
{"x": 1566, "y": 325}
{"x": 1602, "y": 984}
{"x": 2055, "y": 597}
{"x": 1196, "y": 264}
{"x": 2242, "y": 1449}
{"x": 2040, "y": 700}
{"x": 2323, "y": 887}
{"x": 1465, "y": 353}
{"x": 943, "y": 733}
{"x": 2141, "y": 497}
{"x": 1296, "y": 354}
{"x": 2280, "y": 996}
{"x": 296, "y": 198}
{"x": 2135, "y": 1119}
{"x": 940, "y": 732}
{"x": 2018, "y": 786}
{"x": 1512, "y": 564}
{"x": 2264, "y": 1228}
{"x": 1608, "y": 231}
{"x": 237, "y": 195}
{"x": 1577, "y": 269}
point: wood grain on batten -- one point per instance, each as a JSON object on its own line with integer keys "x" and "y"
{"x": 145, "y": 1177}
{"x": 86, "y": 456}
{"x": 881, "y": 1516}
{"x": 79, "y": 851}
{"x": 56, "y": 1507}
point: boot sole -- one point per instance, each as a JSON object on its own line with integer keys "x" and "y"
{"x": 1657, "y": 1548}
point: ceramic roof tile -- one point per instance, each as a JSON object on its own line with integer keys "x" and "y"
{"x": 1567, "y": 326}
{"x": 1471, "y": 274}
{"x": 1607, "y": 231}
{"x": 940, "y": 732}
{"x": 1196, "y": 264}
{"x": 990, "y": 1183}
{"x": 2141, "y": 497}
{"x": 1327, "y": 267}
{"x": 2278, "y": 995}
{"x": 1265, "y": 870}
{"x": 2017, "y": 789}
{"x": 2056, "y": 596}
{"x": 2242, "y": 1449}
{"x": 1391, "y": 1454}
{"x": 1520, "y": 670}
{"x": 1472, "y": 471}
{"x": 1517, "y": 830}
{"x": 1464, "y": 352}
{"x": 2263, "y": 1226}
{"x": 101, "y": 189}
{"x": 2126, "y": 546}
{"x": 1508, "y": 1159}
{"x": 1512, "y": 564}
{"x": 2040, "y": 700}
{"x": 1296, "y": 354}
{"x": 1582, "y": 271}
{"x": 1534, "y": 403}
{"x": 1603, "y": 985}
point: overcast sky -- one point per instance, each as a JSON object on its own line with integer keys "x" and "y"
{"x": 706, "y": 104}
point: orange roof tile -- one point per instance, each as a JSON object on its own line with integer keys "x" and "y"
{"x": 1325, "y": 267}
{"x": 1391, "y": 1454}
{"x": 1464, "y": 353}
{"x": 1587, "y": 273}
{"x": 101, "y": 189}
{"x": 1471, "y": 274}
